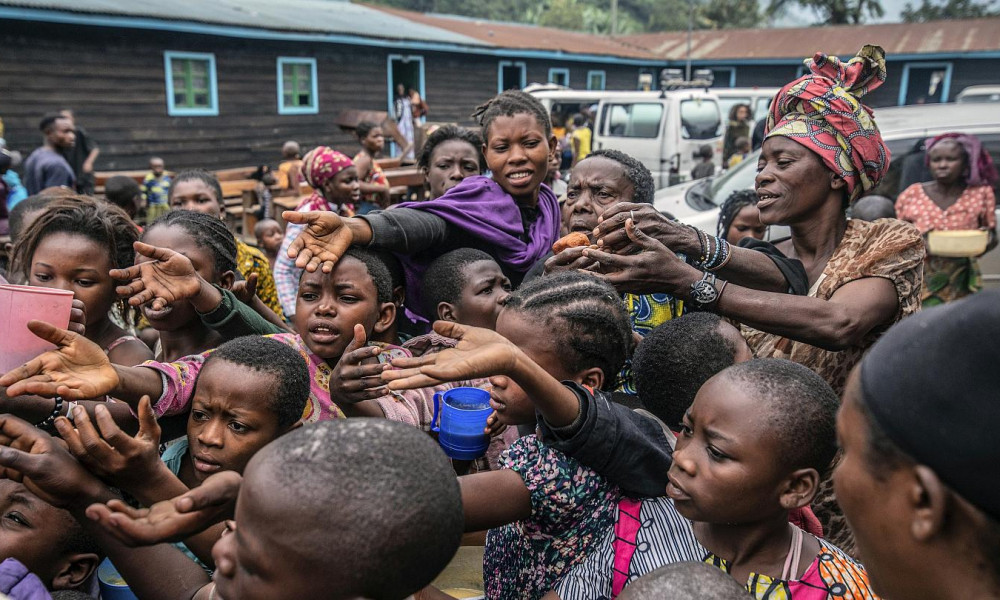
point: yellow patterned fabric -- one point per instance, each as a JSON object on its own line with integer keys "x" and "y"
{"x": 252, "y": 260}
{"x": 645, "y": 313}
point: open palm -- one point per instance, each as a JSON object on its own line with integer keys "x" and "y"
{"x": 322, "y": 242}
{"x": 479, "y": 353}
{"x": 167, "y": 278}
{"x": 77, "y": 369}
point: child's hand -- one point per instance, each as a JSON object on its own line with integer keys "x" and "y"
{"x": 172, "y": 520}
{"x": 570, "y": 259}
{"x": 351, "y": 381}
{"x": 78, "y": 317}
{"x": 33, "y": 457}
{"x": 169, "y": 277}
{"x": 479, "y": 353}
{"x": 113, "y": 455}
{"x": 77, "y": 369}
{"x": 493, "y": 425}
{"x": 245, "y": 290}
{"x": 325, "y": 238}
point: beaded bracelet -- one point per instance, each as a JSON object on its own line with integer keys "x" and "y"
{"x": 727, "y": 253}
{"x": 702, "y": 243}
{"x": 716, "y": 253}
{"x": 48, "y": 422}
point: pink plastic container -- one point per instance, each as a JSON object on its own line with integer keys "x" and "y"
{"x": 20, "y": 304}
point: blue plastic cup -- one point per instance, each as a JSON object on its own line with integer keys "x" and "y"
{"x": 113, "y": 587}
{"x": 463, "y": 412}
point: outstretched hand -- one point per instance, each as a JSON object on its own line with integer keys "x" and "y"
{"x": 479, "y": 353}
{"x": 612, "y": 235}
{"x": 246, "y": 289}
{"x": 77, "y": 369}
{"x": 168, "y": 277}
{"x": 655, "y": 269}
{"x": 171, "y": 520}
{"x": 352, "y": 381}
{"x": 113, "y": 455}
{"x": 35, "y": 458}
{"x": 321, "y": 243}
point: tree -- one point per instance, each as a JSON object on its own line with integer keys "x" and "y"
{"x": 729, "y": 14}
{"x": 833, "y": 12}
{"x": 949, "y": 9}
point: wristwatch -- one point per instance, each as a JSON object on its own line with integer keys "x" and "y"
{"x": 703, "y": 291}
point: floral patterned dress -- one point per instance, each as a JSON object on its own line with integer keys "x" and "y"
{"x": 572, "y": 510}
{"x": 945, "y": 278}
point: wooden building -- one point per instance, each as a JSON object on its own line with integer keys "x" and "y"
{"x": 224, "y": 83}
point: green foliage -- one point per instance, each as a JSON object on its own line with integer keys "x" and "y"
{"x": 594, "y": 16}
{"x": 833, "y": 12}
{"x": 949, "y": 9}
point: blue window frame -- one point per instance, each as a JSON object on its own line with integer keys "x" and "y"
{"x": 297, "y": 88}
{"x": 192, "y": 90}
{"x": 925, "y": 83}
{"x": 559, "y": 77}
{"x": 511, "y": 75}
{"x": 595, "y": 80}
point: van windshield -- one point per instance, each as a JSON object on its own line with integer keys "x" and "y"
{"x": 700, "y": 119}
{"x": 639, "y": 120}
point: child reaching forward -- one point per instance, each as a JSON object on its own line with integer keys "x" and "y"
{"x": 512, "y": 216}
{"x": 393, "y": 533}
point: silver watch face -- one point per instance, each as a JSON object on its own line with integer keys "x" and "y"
{"x": 703, "y": 292}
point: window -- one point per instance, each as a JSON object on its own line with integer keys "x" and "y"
{"x": 925, "y": 83}
{"x": 559, "y": 77}
{"x": 510, "y": 75}
{"x": 297, "y": 86}
{"x": 802, "y": 70}
{"x": 191, "y": 86}
{"x": 641, "y": 120}
{"x": 595, "y": 80}
{"x": 723, "y": 76}
{"x": 700, "y": 119}
{"x": 727, "y": 103}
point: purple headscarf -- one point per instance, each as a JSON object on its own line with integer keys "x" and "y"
{"x": 981, "y": 170}
{"x": 482, "y": 209}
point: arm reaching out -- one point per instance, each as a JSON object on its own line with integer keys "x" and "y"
{"x": 353, "y": 384}
{"x": 485, "y": 353}
{"x": 167, "y": 278}
{"x": 324, "y": 239}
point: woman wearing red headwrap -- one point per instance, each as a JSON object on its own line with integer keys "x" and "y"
{"x": 336, "y": 187}
{"x": 960, "y": 197}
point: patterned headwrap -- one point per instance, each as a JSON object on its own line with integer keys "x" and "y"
{"x": 322, "y": 164}
{"x": 822, "y": 111}
{"x": 979, "y": 169}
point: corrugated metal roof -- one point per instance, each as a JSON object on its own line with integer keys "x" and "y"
{"x": 959, "y": 36}
{"x": 528, "y": 37}
{"x": 305, "y": 16}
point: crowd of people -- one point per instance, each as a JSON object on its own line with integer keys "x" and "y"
{"x": 675, "y": 413}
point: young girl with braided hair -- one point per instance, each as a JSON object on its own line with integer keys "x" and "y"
{"x": 738, "y": 218}
{"x": 512, "y": 215}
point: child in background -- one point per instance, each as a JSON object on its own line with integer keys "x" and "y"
{"x": 336, "y": 188}
{"x": 705, "y": 168}
{"x": 124, "y": 193}
{"x": 156, "y": 189}
{"x": 290, "y": 168}
{"x": 250, "y": 391}
{"x": 580, "y": 138}
{"x": 374, "y": 184}
{"x": 395, "y": 532}
{"x": 269, "y": 236}
{"x": 200, "y": 191}
{"x": 739, "y": 218}
{"x": 450, "y": 154}
{"x": 742, "y": 146}
{"x": 21, "y": 216}
{"x": 465, "y": 286}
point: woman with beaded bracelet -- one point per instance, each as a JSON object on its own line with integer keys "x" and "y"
{"x": 860, "y": 277}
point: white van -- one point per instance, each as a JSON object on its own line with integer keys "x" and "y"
{"x": 757, "y": 98}
{"x": 664, "y": 130}
{"x": 661, "y": 129}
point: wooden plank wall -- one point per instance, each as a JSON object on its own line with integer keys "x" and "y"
{"x": 114, "y": 81}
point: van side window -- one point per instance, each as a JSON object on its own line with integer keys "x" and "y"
{"x": 639, "y": 120}
{"x": 700, "y": 119}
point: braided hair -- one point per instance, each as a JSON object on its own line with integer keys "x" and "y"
{"x": 736, "y": 202}
{"x": 447, "y": 133}
{"x": 207, "y": 232}
{"x": 508, "y": 104}
{"x": 584, "y": 315}
{"x": 102, "y": 222}
{"x": 197, "y": 175}
{"x": 636, "y": 173}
